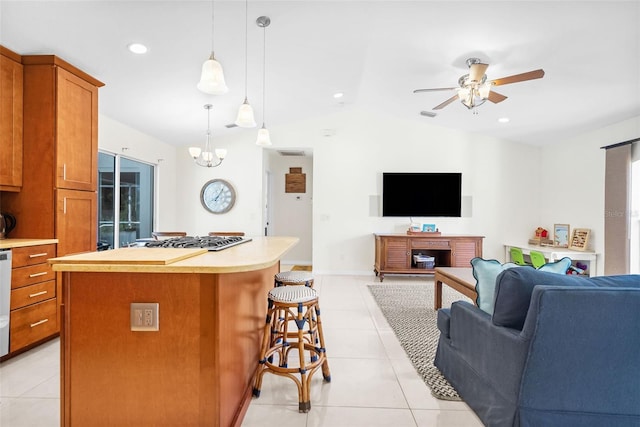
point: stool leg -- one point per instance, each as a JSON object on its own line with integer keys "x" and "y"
{"x": 266, "y": 338}
{"x": 326, "y": 373}
{"x": 304, "y": 402}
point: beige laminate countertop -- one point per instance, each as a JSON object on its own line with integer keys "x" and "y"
{"x": 260, "y": 252}
{"x": 20, "y": 243}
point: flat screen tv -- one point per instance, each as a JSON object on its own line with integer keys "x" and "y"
{"x": 423, "y": 194}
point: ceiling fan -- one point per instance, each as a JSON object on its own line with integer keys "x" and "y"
{"x": 474, "y": 88}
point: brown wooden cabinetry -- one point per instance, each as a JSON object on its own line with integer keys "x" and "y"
{"x": 11, "y": 83}
{"x": 58, "y": 197}
{"x": 394, "y": 252}
{"x": 34, "y": 296}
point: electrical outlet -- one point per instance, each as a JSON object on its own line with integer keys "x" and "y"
{"x": 145, "y": 316}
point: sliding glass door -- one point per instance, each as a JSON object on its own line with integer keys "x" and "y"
{"x": 128, "y": 185}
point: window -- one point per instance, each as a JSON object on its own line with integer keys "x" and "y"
{"x": 129, "y": 185}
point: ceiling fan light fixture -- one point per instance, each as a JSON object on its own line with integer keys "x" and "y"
{"x": 484, "y": 90}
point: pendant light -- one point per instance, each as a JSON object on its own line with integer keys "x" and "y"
{"x": 263, "y": 134}
{"x": 207, "y": 156}
{"x": 245, "y": 117}
{"x": 212, "y": 77}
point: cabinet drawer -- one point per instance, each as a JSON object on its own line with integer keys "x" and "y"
{"x": 32, "y": 294}
{"x": 30, "y": 255}
{"x": 30, "y": 275}
{"x": 33, "y": 323}
{"x": 430, "y": 244}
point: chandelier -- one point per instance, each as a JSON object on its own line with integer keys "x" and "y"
{"x": 207, "y": 156}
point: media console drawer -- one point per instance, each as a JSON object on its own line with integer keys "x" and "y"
{"x": 430, "y": 244}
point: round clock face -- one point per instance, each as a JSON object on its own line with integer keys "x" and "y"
{"x": 218, "y": 196}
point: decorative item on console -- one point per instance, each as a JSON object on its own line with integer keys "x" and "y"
{"x": 541, "y": 237}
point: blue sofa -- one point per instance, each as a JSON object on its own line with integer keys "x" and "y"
{"x": 557, "y": 351}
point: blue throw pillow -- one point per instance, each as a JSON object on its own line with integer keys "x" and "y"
{"x": 485, "y": 272}
{"x": 561, "y": 266}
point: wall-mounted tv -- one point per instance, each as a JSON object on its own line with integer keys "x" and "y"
{"x": 426, "y": 194}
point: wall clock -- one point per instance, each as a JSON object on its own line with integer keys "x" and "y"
{"x": 218, "y": 196}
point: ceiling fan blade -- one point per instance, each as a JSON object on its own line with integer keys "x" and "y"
{"x": 476, "y": 71}
{"x": 495, "y": 97}
{"x": 445, "y": 103}
{"x": 535, "y": 74}
{"x": 437, "y": 89}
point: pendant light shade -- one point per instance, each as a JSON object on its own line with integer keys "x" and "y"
{"x": 264, "y": 140}
{"x": 212, "y": 78}
{"x": 245, "y": 117}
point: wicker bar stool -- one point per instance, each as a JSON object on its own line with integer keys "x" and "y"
{"x": 288, "y": 278}
{"x": 299, "y": 307}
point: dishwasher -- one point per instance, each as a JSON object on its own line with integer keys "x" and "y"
{"x": 5, "y": 299}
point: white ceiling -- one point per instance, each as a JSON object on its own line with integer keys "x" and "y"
{"x": 375, "y": 52}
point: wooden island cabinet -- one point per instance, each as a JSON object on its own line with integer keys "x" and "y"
{"x": 196, "y": 368}
{"x": 394, "y": 253}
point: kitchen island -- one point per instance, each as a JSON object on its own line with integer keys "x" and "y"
{"x": 196, "y": 368}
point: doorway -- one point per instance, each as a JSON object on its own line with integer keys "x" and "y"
{"x": 289, "y": 208}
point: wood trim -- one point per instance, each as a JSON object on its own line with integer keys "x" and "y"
{"x": 54, "y": 60}
{"x": 10, "y": 54}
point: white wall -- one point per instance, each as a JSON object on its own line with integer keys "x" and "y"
{"x": 573, "y": 180}
{"x": 514, "y": 188}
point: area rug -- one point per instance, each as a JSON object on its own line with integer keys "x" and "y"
{"x": 409, "y": 310}
{"x": 301, "y": 268}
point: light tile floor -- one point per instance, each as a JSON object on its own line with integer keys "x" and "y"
{"x": 373, "y": 381}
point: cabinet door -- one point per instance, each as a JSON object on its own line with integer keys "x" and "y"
{"x": 76, "y": 221}
{"x": 76, "y": 132}
{"x": 397, "y": 253}
{"x": 11, "y": 100}
{"x": 463, "y": 251}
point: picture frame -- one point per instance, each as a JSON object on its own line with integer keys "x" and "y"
{"x": 561, "y": 235}
{"x": 429, "y": 228}
{"x": 580, "y": 239}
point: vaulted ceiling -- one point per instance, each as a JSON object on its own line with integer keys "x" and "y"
{"x": 375, "y": 52}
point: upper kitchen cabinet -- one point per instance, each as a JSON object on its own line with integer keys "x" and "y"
{"x": 61, "y": 109}
{"x": 11, "y": 83}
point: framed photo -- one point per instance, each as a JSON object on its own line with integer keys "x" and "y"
{"x": 561, "y": 235}
{"x": 428, "y": 228}
{"x": 580, "y": 239}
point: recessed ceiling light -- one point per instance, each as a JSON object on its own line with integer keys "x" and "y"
{"x": 138, "y": 48}
{"x": 338, "y": 95}
{"x": 503, "y": 119}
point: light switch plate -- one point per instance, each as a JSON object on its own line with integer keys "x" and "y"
{"x": 145, "y": 316}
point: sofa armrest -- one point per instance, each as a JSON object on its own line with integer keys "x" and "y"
{"x": 496, "y": 352}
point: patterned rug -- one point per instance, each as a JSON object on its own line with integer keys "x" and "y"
{"x": 409, "y": 310}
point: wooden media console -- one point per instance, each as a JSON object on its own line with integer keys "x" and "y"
{"x": 394, "y": 252}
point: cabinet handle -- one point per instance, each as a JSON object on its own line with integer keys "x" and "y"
{"x": 37, "y": 294}
{"x": 64, "y": 171}
{"x": 37, "y": 274}
{"x": 33, "y": 325}
{"x": 38, "y": 255}
{"x": 64, "y": 206}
